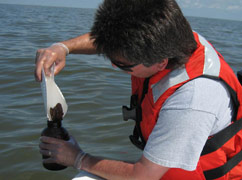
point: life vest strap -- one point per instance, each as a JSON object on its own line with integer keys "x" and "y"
{"x": 222, "y": 170}
{"x": 219, "y": 139}
{"x": 134, "y": 112}
{"x": 239, "y": 74}
{"x": 145, "y": 89}
{"x": 138, "y": 143}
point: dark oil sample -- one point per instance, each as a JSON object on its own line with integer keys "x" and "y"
{"x": 54, "y": 129}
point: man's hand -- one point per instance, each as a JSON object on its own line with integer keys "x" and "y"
{"x": 60, "y": 151}
{"x": 45, "y": 58}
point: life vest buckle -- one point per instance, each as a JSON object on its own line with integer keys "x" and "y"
{"x": 131, "y": 113}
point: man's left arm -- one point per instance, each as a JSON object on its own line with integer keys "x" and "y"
{"x": 118, "y": 170}
{"x": 65, "y": 153}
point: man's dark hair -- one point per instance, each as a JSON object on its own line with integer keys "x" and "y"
{"x": 143, "y": 31}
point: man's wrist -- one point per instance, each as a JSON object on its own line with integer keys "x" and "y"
{"x": 79, "y": 159}
{"x": 62, "y": 45}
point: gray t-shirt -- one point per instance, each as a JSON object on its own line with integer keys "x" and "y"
{"x": 198, "y": 109}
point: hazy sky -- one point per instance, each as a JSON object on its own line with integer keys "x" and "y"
{"x": 65, "y": 3}
{"x": 225, "y": 9}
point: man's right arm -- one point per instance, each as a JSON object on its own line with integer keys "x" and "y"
{"x": 81, "y": 45}
{"x": 46, "y": 57}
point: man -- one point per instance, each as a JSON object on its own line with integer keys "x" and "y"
{"x": 183, "y": 94}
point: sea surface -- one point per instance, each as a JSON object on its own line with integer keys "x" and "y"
{"x": 93, "y": 89}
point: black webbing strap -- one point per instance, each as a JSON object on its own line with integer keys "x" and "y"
{"x": 239, "y": 74}
{"x": 135, "y": 138}
{"x": 219, "y": 139}
{"x": 145, "y": 89}
{"x": 137, "y": 133}
{"x": 222, "y": 170}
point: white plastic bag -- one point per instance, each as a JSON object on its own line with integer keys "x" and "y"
{"x": 52, "y": 94}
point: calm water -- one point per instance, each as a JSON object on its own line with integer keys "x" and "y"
{"x": 93, "y": 89}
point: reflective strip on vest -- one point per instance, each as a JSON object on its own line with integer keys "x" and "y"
{"x": 175, "y": 77}
{"x": 212, "y": 61}
{"x": 211, "y": 68}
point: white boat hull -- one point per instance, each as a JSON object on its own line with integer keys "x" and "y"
{"x": 83, "y": 175}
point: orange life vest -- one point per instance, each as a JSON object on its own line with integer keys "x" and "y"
{"x": 218, "y": 155}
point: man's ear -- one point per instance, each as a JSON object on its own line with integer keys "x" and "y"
{"x": 162, "y": 65}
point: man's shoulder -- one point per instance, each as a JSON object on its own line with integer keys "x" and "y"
{"x": 199, "y": 94}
